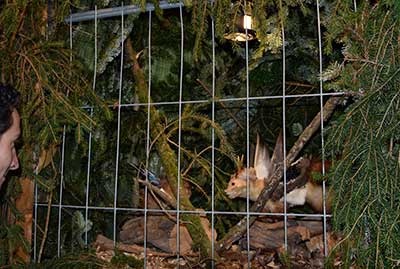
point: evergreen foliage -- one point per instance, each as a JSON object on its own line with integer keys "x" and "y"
{"x": 35, "y": 59}
{"x": 366, "y": 137}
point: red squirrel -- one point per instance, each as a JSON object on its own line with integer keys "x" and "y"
{"x": 309, "y": 192}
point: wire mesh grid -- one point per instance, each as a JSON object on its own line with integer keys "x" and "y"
{"x": 115, "y": 209}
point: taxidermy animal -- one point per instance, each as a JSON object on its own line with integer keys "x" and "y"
{"x": 300, "y": 187}
{"x": 150, "y": 175}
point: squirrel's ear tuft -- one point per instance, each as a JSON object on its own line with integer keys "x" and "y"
{"x": 262, "y": 160}
{"x": 239, "y": 162}
{"x": 278, "y": 150}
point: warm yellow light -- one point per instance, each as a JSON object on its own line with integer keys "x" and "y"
{"x": 247, "y": 22}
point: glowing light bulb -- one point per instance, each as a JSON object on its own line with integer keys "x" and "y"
{"x": 247, "y": 22}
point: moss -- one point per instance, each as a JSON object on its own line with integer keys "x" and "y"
{"x": 120, "y": 261}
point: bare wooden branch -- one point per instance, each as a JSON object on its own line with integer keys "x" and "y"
{"x": 104, "y": 243}
{"x": 295, "y": 183}
{"x": 171, "y": 201}
{"x": 46, "y": 228}
{"x": 238, "y": 230}
{"x": 271, "y": 235}
{"x": 160, "y": 232}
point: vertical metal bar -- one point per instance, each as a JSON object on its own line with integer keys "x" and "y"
{"x": 321, "y": 100}
{"x": 48, "y": 21}
{"x": 213, "y": 145}
{"x": 147, "y": 145}
{"x": 247, "y": 151}
{"x": 179, "y": 140}
{"x": 284, "y": 134}
{"x": 118, "y": 128}
{"x": 61, "y": 195}
{"x": 70, "y": 38}
{"x": 95, "y": 49}
{"x": 88, "y": 182}
{"x": 35, "y": 218}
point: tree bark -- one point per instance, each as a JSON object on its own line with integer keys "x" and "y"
{"x": 24, "y": 205}
{"x": 103, "y": 243}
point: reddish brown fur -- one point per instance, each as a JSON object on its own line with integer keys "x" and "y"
{"x": 238, "y": 183}
{"x": 237, "y": 188}
{"x": 316, "y": 167}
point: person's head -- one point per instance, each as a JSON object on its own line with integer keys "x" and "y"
{"x": 9, "y": 130}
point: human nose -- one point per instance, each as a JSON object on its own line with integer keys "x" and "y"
{"x": 14, "y": 162}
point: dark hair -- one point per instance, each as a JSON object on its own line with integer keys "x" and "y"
{"x": 9, "y": 99}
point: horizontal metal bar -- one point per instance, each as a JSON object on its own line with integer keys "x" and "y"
{"x": 224, "y": 100}
{"x": 116, "y": 11}
{"x": 184, "y": 211}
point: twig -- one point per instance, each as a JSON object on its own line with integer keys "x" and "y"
{"x": 238, "y": 230}
{"x": 363, "y": 61}
{"x": 196, "y": 155}
{"x": 160, "y": 192}
{"x": 221, "y": 103}
{"x": 46, "y": 229}
{"x": 298, "y": 84}
{"x": 20, "y": 24}
{"x": 163, "y": 194}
